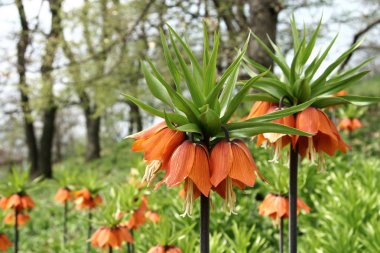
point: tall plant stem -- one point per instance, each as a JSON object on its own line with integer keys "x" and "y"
{"x": 205, "y": 224}
{"x": 132, "y": 246}
{"x": 281, "y": 242}
{"x": 293, "y": 174}
{"x": 205, "y": 215}
{"x": 16, "y": 232}
{"x": 89, "y": 229}
{"x": 65, "y": 211}
{"x": 110, "y": 249}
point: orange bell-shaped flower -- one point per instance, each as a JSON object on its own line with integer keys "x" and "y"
{"x": 190, "y": 164}
{"x": 350, "y": 124}
{"x": 231, "y": 165}
{"x": 63, "y": 195}
{"x": 277, "y": 207}
{"x": 22, "y": 218}
{"x": 20, "y": 202}
{"x": 84, "y": 199}
{"x": 165, "y": 249}
{"x": 158, "y": 143}
{"x": 114, "y": 237}
{"x": 5, "y": 243}
{"x": 326, "y": 138}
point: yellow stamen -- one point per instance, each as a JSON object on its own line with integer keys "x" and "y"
{"x": 321, "y": 162}
{"x": 151, "y": 171}
{"x": 189, "y": 198}
{"x": 230, "y": 201}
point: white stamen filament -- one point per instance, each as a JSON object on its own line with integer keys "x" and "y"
{"x": 189, "y": 198}
{"x": 321, "y": 162}
{"x": 151, "y": 171}
{"x": 277, "y": 151}
{"x": 310, "y": 150}
{"x": 230, "y": 201}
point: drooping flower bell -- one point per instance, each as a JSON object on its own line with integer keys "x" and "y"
{"x": 152, "y": 216}
{"x": 277, "y": 207}
{"x": 158, "y": 143}
{"x": 189, "y": 163}
{"x": 138, "y": 216}
{"x": 350, "y": 124}
{"x": 114, "y": 237}
{"x": 5, "y": 243}
{"x": 277, "y": 140}
{"x": 232, "y": 165}
{"x": 326, "y": 137}
{"x": 165, "y": 249}
{"x": 63, "y": 195}
{"x": 22, "y": 218}
{"x": 84, "y": 199}
{"x": 18, "y": 201}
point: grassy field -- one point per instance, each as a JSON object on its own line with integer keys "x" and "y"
{"x": 344, "y": 199}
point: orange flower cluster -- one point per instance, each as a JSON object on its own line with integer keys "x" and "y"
{"x": 5, "y": 243}
{"x": 229, "y": 164}
{"x": 22, "y": 218}
{"x": 106, "y": 237}
{"x": 165, "y": 249}
{"x": 63, "y": 195}
{"x": 21, "y": 203}
{"x": 277, "y": 207}
{"x": 349, "y": 124}
{"x": 85, "y": 199}
{"x": 325, "y": 139}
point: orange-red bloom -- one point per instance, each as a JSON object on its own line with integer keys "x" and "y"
{"x": 138, "y": 217}
{"x": 63, "y": 195}
{"x": 259, "y": 108}
{"x": 326, "y": 138}
{"x": 5, "y": 243}
{"x": 106, "y": 237}
{"x": 190, "y": 163}
{"x": 19, "y": 201}
{"x": 158, "y": 143}
{"x": 277, "y": 207}
{"x": 232, "y": 164}
{"x": 84, "y": 199}
{"x": 3, "y": 203}
{"x": 165, "y": 249}
{"x": 349, "y": 124}
{"x": 22, "y": 218}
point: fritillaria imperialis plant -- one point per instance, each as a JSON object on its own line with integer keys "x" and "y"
{"x": 350, "y": 118}
{"x": 65, "y": 194}
{"x": 195, "y": 145}
{"x": 15, "y": 198}
{"x": 303, "y": 82}
{"x": 5, "y": 243}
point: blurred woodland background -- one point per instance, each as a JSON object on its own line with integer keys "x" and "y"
{"x": 64, "y": 64}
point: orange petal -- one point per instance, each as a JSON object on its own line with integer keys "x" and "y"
{"x": 307, "y": 121}
{"x": 259, "y": 108}
{"x": 243, "y": 167}
{"x": 220, "y": 162}
{"x": 180, "y": 163}
{"x": 200, "y": 172}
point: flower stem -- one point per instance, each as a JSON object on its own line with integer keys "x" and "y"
{"x": 89, "y": 229}
{"x": 281, "y": 243}
{"x": 293, "y": 167}
{"x": 110, "y": 249}
{"x": 65, "y": 211}
{"x": 16, "y": 231}
{"x": 204, "y": 224}
{"x": 132, "y": 246}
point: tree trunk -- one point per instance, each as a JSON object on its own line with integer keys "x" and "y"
{"x": 263, "y": 22}
{"x": 93, "y": 135}
{"x": 50, "y": 108}
{"x": 46, "y": 143}
{"x": 22, "y": 46}
{"x": 135, "y": 119}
